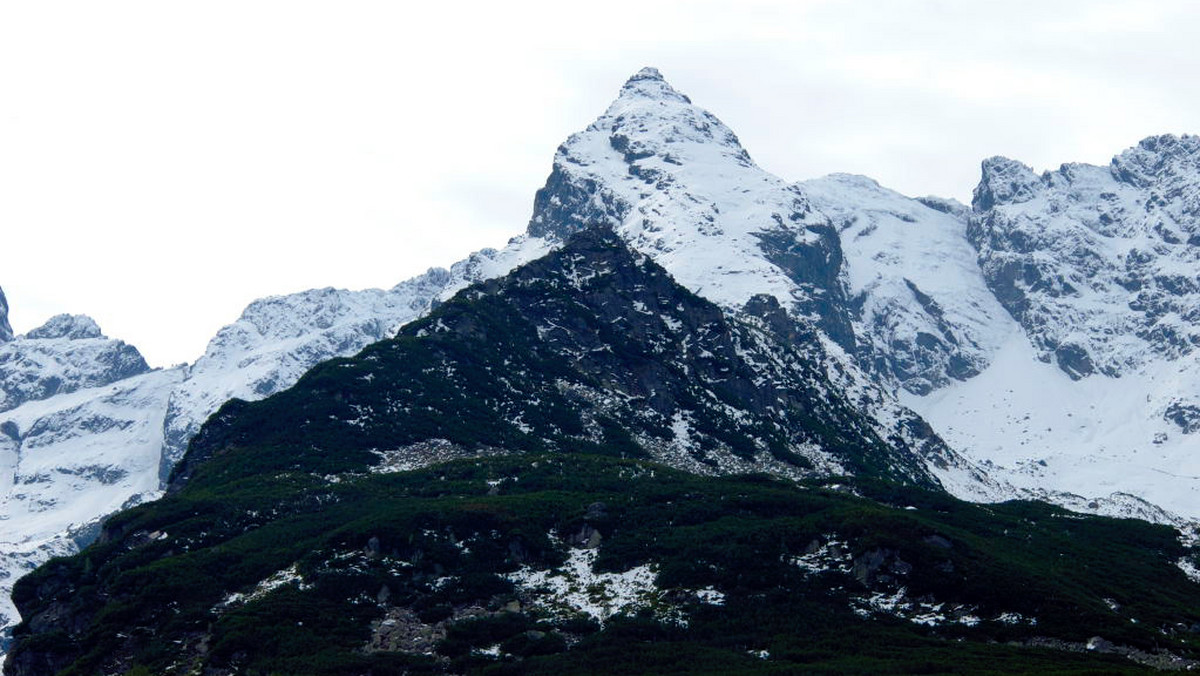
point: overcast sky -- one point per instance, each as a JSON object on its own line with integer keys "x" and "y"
{"x": 164, "y": 163}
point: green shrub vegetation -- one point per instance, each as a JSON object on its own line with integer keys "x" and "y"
{"x": 443, "y": 539}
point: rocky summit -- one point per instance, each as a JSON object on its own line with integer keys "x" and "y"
{"x": 693, "y": 405}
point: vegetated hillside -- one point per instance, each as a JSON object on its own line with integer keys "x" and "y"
{"x": 579, "y": 563}
{"x": 592, "y": 347}
{"x": 86, "y": 427}
{"x": 489, "y": 492}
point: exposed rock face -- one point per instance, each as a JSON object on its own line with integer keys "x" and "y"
{"x": 922, "y": 315}
{"x": 6, "y": 332}
{"x": 1185, "y": 416}
{"x": 1098, "y": 264}
{"x": 66, "y": 354}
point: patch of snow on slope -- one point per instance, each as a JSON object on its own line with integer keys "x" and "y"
{"x": 288, "y": 576}
{"x": 1029, "y": 424}
{"x": 576, "y": 588}
{"x": 926, "y": 613}
{"x": 1189, "y": 568}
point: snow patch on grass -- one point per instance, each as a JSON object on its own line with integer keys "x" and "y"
{"x": 287, "y": 576}
{"x": 925, "y": 613}
{"x": 832, "y": 555}
{"x": 576, "y": 588}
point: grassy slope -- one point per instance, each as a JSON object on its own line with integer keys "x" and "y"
{"x": 734, "y": 534}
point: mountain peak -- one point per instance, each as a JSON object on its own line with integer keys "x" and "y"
{"x": 647, "y": 73}
{"x": 6, "y": 332}
{"x": 71, "y": 327}
{"x": 652, "y": 144}
{"x": 1158, "y": 158}
{"x": 1003, "y": 181}
{"x": 649, "y": 83}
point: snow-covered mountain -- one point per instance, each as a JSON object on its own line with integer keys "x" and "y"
{"x": 675, "y": 183}
{"x": 65, "y": 354}
{"x": 920, "y": 295}
{"x": 80, "y": 426}
{"x": 86, "y": 428}
{"x": 1099, "y": 264}
{"x": 1097, "y": 391}
{"x": 1047, "y": 333}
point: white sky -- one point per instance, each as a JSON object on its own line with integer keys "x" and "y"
{"x": 164, "y": 163}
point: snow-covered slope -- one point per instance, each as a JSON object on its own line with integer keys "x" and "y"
{"x": 1101, "y": 441}
{"x": 923, "y": 317}
{"x": 1096, "y": 393}
{"x": 69, "y": 459}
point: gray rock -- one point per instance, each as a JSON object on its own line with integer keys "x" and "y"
{"x": 6, "y": 332}
{"x": 1088, "y": 258}
{"x": 1185, "y": 415}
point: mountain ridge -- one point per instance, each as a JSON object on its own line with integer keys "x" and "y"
{"x": 419, "y": 503}
{"x": 979, "y": 339}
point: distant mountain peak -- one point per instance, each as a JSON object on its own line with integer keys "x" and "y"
{"x": 6, "y": 332}
{"x": 1158, "y": 158}
{"x": 1004, "y": 180}
{"x": 71, "y": 327}
{"x": 647, "y": 73}
{"x": 649, "y": 139}
{"x": 650, "y": 83}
